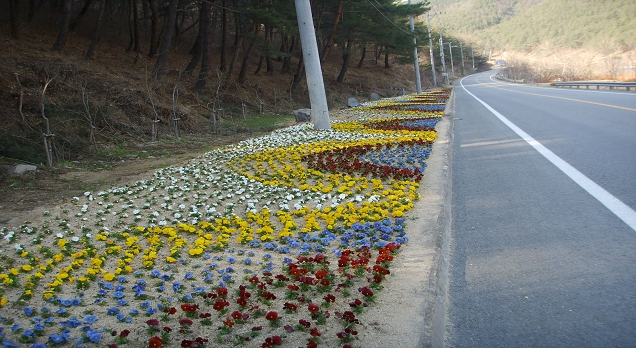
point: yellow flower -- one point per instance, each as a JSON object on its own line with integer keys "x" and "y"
{"x": 196, "y": 251}
{"x": 24, "y": 254}
{"x": 3, "y": 301}
{"x": 14, "y": 271}
{"x": 170, "y": 259}
{"x": 109, "y": 276}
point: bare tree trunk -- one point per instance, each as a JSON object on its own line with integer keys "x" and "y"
{"x": 223, "y": 36}
{"x": 386, "y": 60}
{"x": 79, "y": 17}
{"x": 89, "y": 117}
{"x": 345, "y": 62}
{"x": 47, "y": 136}
{"x": 237, "y": 50}
{"x": 364, "y": 53}
{"x": 14, "y": 10}
{"x": 330, "y": 41}
{"x": 62, "y": 34}
{"x": 196, "y": 50}
{"x": 154, "y": 12}
{"x": 136, "y": 31}
{"x": 300, "y": 72}
{"x": 175, "y": 100}
{"x": 248, "y": 53}
{"x": 171, "y": 17}
{"x": 204, "y": 73}
{"x": 98, "y": 27}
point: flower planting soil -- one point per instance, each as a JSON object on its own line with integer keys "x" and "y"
{"x": 189, "y": 296}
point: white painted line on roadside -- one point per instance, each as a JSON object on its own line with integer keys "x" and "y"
{"x": 620, "y": 209}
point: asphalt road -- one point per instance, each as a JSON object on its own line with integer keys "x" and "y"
{"x": 543, "y": 228}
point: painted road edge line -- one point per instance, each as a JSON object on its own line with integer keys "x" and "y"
{"x": 620, "y": 209}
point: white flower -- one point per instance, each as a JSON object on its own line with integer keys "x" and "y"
{"x": 59, "y": 235}
{"x": 18, "y": 247}
{"x": 177, "y": 215}
{"x": 74, "y": 238}
{"x": 87, "y": 193}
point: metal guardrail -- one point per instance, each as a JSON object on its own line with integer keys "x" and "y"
{"x": 610, "y": 85}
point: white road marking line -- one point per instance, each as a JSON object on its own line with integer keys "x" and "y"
{"x": 620, "y": 209}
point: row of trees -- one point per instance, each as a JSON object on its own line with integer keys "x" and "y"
{"x": 238, "y": 30}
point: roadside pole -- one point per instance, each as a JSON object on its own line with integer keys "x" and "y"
{"x": 418, "y": 82}
{"x": 313, "y": 71}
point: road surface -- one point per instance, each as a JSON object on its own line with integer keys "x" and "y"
{"x": 543, "y": 231}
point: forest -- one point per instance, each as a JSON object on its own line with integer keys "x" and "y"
{"x": 92, "y": 73}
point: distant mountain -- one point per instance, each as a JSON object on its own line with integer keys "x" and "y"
{"x": 525, "y": 25}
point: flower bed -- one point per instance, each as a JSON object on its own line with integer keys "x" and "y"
{"x": 283, "y": 240}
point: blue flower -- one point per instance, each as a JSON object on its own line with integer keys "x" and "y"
{"x": 133, "y": 311}
{"x": 107, "y": 285}
{"x": 267, "y": 256}
{"x": 151, "y": 311}
{"x": 122, "y": 279}
{"x": 206, "y": 256}
{"x": 141, "y": 282}
{"x": 155, "y": 273}
{"x": 120, "y": 288}
{"x": 176, "y": 286}
{"x": 122, "y": 302}
{"x": 94, "y": 336}
{"x": 165, "y": 277}
{"x": 199, "y": 289}
{"x": 229, "y": 269}
{"x": 113, "y": 311}
{"x": 231, "y": 260}
{"x": 71, "y": 323}
{"x": 120, "y": 317}
{"x": 15, "y": 327}
{"x": 40, "y": 327}
{"x": 144, "y": 304}
{"x": 118, "y": 294}
{"x": 102, "y": 292}
{"x": 188, "y": 276}
{"x": 226, "y": 278}
{"x": 28, "y": 311}
{"x": 38, "y": 345}
{"x": 9, "y": 344}
{"x": 247, "y": 261}
{"x": 28, "y": 333}
{"x": 90, "y": 318}
{"x": 287, "y": 260}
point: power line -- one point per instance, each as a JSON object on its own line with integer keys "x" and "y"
{"x": 396, "y": 26}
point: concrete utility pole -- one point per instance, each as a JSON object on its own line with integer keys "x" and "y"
{"x": 473, "y": 55}
{"x": 430, "y": 47}
{"x": 461, "y": 51}
{"x": 441, "y": 54}
{"x": 313, "y": 71}
{"x": 418, "y": 82}
{"x": 450, "y": 48}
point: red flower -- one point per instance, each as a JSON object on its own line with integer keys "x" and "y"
{"x": 221, "y": 291}
{"x": 237, "y": 315}
{"x": 172, "y": 310}
{"x": 152, "y": 322}
{"x": 325, "y": 282}
{"x": 228, "y": 322}
{"x": 290, "y": 306}
{"x": 321, "y": 274}
{"x": 124, "y": 333}
{"x": 271, "y": 315}
{"x": 254, "y": 279}
{"x": 314, "y": 332}
{"x": 112, "y": 345}
{"x": 366, "y": 291}
{"x": 377, "y": 279}
{"x": 186, "y": 343}
{"x": 155, "y": 342}
{"x": 313, "y": 307}
{"x": 330, "y": 298}
{"x": 185, "y": 321}
{"x": 312, "y": 344}
{"x": 167, "y": 329}
{"x": 304, "y": 323}
{"x": 220, "y": 304}
{"x": 293, "y": 287}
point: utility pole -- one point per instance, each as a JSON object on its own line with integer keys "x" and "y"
{"x": 473, "y": 55}
{"x": 313, "y": 71}
{"x": 418, "y": 82}
{"x": 450, "y": 48}
{"x": 441, "y": 54}
{"x": 461, "y": 51}
{"x": 430, "y": 47}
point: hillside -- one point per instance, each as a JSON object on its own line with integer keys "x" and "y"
{"x": 558, "y": 40}
{"x": 123, "y": 97}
